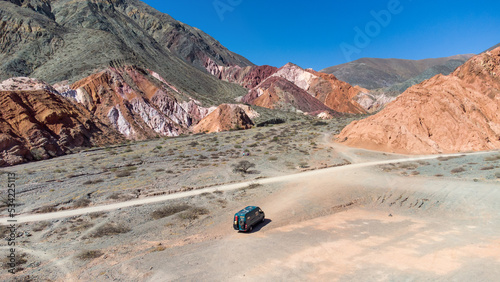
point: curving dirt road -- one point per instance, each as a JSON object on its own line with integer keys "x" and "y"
{"x": 318, "y": 173}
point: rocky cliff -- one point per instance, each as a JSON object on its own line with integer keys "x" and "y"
{"x": 38, "y": 123}
{"x": 455, "y": 113}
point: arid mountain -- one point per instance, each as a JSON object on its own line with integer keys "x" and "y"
{"x": 68, "y": 40}
{"x": 37, "y": 123}
{"x": 455, "y": 113}
{"x": 286, "y": 89}
{"x": 372, "y": 73}
{"x": 226, "y": 117}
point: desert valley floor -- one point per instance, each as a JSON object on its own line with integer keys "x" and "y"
{"x": 333, "y": 213}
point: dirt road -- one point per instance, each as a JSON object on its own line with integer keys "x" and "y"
{"x": 316, "y": 173}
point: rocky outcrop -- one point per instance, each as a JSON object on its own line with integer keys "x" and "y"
{"x": 280, "y": 94}
{"x": 39, "y": 124}
{"x": 455, "y": 113}
{"x": 373, "y": 101}
{"x": 226, "y": 117}
{"x": 293, "y": 88}
{"x": 138, "y": 103}
{"x": 248, "y": 77}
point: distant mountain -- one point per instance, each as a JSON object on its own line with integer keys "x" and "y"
{"x": 374, "y": 73}
{"x": 454, "y": 113}
{"x": 57, "y": 40}
{"x": 494, "y": 47}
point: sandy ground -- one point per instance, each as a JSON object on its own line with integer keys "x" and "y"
{"x": 375, "y": 220}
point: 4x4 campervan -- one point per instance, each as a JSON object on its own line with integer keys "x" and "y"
{"x": 247, "y": 218}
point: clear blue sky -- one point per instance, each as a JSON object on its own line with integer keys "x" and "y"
{"x": 323, "y": 33}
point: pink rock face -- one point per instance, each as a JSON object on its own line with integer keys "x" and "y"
{"x": 455, "y": 113}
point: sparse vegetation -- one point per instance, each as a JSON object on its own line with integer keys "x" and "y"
{"x": 39, "y": 226}
{"x": 458, "y": 170}
{"x": 169, "y": 210}
{"x": 242, "y": 167}
{"x": 92, "y": 182}
{"x": 109, "y": 229}
{"x": 193, "y": 213}
{"x": 123, "y": 173}
{"x": 82, "y": 202}
{"x": 90, "y": 254}
{"x": 492, "y": 158}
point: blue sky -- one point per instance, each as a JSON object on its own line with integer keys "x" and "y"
{"x": 319, "y": 34}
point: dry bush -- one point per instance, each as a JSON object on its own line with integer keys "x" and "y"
{"x": 458, "y": 170}
{"x": 20, "y": 261}
{"x": 81, "y": 226}
{"x": 123, "y": 173}
{"x": 110, "y": 229}
{"x": 408, "y": 166}
{"x": 47, "y": 209}
{"x": 82, "y": 202}
{"x": 168, "y": 211}
{"x": 39, "y": 226}
{"x": 253, "y": 186}
{"x": 90, "y": 254}
{"x": 492, "y": 158}
{"x": 95, "y": 215}
{"x": 487, "y": 168}
{"x": 193, "y": 213}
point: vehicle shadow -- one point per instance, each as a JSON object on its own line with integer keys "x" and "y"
{"x": 259, "y": 226}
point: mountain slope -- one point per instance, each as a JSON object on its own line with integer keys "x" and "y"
{"x": 38, "y": 123}
{"x": 372, "y": 73}
{"x": 333, "y": 93}
{"x": 455, "y": 113}
{"x": 69, "y": 40}
{"x": 280, "y": 94}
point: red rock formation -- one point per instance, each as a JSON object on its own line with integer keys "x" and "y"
{"x": 281, "y": 94}
{"x": 335, "y": 94}
{"x": 225, "y": 117}
{"x": 38, "y": 124}
{"x": 455, "y": 113}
